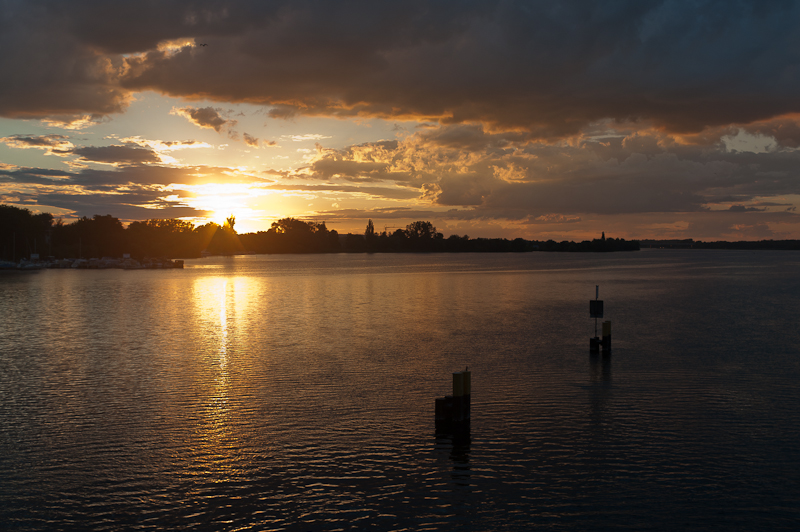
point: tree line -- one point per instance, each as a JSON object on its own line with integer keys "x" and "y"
{"x": 23, "y": 234}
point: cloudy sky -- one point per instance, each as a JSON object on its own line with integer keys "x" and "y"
{"x": 537, "y": 119}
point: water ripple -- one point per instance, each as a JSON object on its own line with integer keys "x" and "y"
{"x": 297, "y": 393}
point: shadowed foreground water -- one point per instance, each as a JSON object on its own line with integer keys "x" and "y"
{"x": 297, "y": 393}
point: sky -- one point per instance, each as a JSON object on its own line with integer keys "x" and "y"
{"x": 543, "y": 120}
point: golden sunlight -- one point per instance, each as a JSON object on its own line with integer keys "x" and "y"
{"x": 224, "y": 200}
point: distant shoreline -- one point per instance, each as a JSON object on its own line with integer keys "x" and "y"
{"x": 689, "y": 243}
{"x": 24, "y": 235}
{"x": 164, "y": 263}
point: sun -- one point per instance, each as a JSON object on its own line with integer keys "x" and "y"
{"x": 221, "y": 217}
{"x": 221, "y": 201}
{"x": 222, "y": 210}
{"x": 254, "y": 206}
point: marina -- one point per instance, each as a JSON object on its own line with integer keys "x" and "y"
{"x": 94, "y": 264}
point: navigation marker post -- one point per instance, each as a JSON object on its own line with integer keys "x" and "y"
{"x": 596, "y": 312}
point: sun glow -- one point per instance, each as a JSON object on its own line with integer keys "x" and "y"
{"x": 244, "y": 201}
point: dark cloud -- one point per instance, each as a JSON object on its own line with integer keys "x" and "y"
{"x": 785, "y": 131}
{"x": 742, "y": 208}
{"x": 92, "y": 179}
{"x": 150, "y": 175}
{"x": 282, "y": 112}
{"x": 378, "y": 192}
{"x": 34, "y": 141}
{"x": 161, "y": 175}
{"x": 328, "y": 168}
{"x": 117, "y": 155}
{"x": 464, "y": 189}
{"x": 131, "y": 27}
{"x": 546, "y": 68}
{"x": 471, "y": 137}
{"x": 48, "y": 71}
{"x": 140, "y": 205}
{"x": 250, "y": 140}
{"x": 207, "y": 117}
{"x": 41, "y": 176}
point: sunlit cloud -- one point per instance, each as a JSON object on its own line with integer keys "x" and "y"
{"x": 165, "y": 146}
{"x": 132, "y": 203}
{"x": 172, "y": 46}
{"x": 76, "y": 165}
{"x": 307, "y": 136}
{"x": 556, "y": 218}
{"x": 500, "y": 176}
{"x": 50, "y": 144}
{"x": 744, "y": 141}
{"x": 71, "y": 123}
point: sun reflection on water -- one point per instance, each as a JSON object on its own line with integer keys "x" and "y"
{"x": 215, "y": 303}
{"x": 223, "y": 379}
{"x": 223, "y": 327}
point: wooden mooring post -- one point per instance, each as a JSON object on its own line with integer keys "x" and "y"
{"x": 453, "y": 411}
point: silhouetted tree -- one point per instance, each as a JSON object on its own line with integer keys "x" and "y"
{"x": 370, "y": 238}
{"x": 23, "y": 233}
{"x": 423, "y": 237}
{"x": 355, "y": 244}
{"x": 420, "y": 230}
{"x": 99, "y": 236}
{"x": 229, "y": 223}
{"x": 457, "y": 243}
{"x": 290, "y": 235}
{"x": 163, "y": 238}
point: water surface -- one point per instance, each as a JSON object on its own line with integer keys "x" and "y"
{"x": 296, "y": 393}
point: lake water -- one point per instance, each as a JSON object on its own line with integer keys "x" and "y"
{"x": 297, "y": 393}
